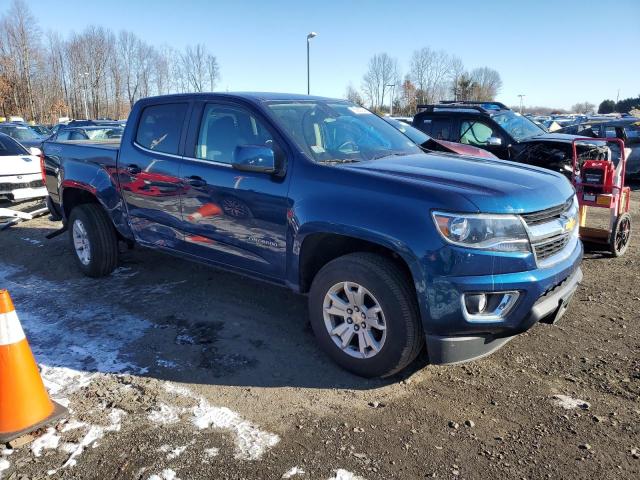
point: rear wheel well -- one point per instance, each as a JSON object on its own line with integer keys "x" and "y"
{"x": 318, "y": 249}
{"x": 72, "y": 197}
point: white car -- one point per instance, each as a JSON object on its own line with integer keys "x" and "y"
{"x": 20, "y": 174}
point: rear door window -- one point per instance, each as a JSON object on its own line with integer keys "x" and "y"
{"x": 438, "y": 128}
{"x": 160, "y": 127}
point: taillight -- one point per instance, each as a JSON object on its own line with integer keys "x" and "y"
{"x": 42, "y": 169}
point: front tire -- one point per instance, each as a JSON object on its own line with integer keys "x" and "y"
{"x": 93, "y": 240}
{"x": 364, "y": 314}
{"x": 621, "y": 235}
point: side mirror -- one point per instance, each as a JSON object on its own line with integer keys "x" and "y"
{"x": 254, "y": 158}
{"x": 494, "y": 141}
{"x": 35, "y": 151}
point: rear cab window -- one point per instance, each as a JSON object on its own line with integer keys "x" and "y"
{"x": 438, "y": 128}
{"x": 160, "y": 127}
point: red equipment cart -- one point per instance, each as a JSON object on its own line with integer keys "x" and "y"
{"x": 600, "y": 184}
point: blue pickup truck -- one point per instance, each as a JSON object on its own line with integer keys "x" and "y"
{"x": 398, "y": 249}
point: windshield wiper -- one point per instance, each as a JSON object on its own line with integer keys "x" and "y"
{"x": 339, "y": 160}
{"x": 389, "y": 154}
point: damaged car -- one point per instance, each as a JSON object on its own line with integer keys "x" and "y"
{"x": 494, "y": 127}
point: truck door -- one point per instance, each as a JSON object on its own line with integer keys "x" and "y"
{"x": 148, "y": 172}
{"x": 229, "y": 216}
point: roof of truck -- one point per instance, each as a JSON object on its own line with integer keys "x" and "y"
{"x": 255, "y": 96}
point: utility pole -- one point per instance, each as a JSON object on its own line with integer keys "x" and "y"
{"x": 521, "y": 97}
{"x": 309, "y": 37}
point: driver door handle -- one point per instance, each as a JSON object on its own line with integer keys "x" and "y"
{"x": 196, "y": 181}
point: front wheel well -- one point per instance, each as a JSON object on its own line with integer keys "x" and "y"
{"x": 318, "y": 249}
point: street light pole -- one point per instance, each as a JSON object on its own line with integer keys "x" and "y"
{"x": 393, "y": 89}
{"x": 84, "y": 88}
{"x": 521, "y": 97}
{"x": 309, "y": 37}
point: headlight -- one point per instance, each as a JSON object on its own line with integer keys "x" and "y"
{"x": 501, "y": 233}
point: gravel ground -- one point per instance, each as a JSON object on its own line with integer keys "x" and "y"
{"x": 175, "y": 370}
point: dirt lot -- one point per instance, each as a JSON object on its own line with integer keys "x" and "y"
{"x": 175, "y": 370}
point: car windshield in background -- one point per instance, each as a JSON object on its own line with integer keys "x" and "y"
{"x": 417, "y": 136}
{"x": 517, "y": 126}
{"x": 104, "y": 133}
{"x": 339, "y": 132}
{"x": 8, "y": 146}
{"x": 21, "y": 133}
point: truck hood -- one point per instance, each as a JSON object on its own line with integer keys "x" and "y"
{"x": 552, "y": 137}
{"x": 493, "y": 186}
{"x": 19, "y": 165}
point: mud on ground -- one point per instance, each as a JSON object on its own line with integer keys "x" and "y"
{"x": 176, "y": 370}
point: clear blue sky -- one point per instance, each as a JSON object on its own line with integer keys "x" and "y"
{"x": 556, "y": 52}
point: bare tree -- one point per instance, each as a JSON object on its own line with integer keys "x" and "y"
{"x": 382, "y": 71}
{"x": 583, "y": 107}
{"x": 213, "y": 71}
{"x": 429, "y": 72}
{"x": 353, "y": 95}
{"x": 487, "y": 83}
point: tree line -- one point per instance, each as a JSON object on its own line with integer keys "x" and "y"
{"x": 433, "y": 75}
{"x": 621, "y": 106}
{"x": 96, "y": 73}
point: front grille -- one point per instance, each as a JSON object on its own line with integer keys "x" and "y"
{"x": 548, "y": 236}
{"x": 551, "y": 246}
{"x": 14, "y": 186}
{"x": 544, "y": 216}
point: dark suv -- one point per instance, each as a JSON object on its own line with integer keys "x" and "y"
{"x": 498, "y": 129}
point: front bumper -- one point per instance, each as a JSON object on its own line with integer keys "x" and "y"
{"x": 22, "y": 187}
{"x": 549, "y": 309}
{"x": 543, "y": 293}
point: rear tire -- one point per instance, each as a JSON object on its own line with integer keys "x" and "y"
{"x": 375, "y": 284}
{"x": 93, "y": 240}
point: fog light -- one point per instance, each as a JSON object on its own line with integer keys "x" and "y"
{"x": 475, "y": 303}
{"x": 489, "y": 306}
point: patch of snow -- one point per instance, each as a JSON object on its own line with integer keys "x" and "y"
{"x": 4, "y": 465}
{"x": 293, "y": 472}
{"x": 6, "y": 451}
{"x": 212, "y": 452}
{"x": 165, "y": 415}
{"x": 569, "y": 403}
{"x": 124, "y": 272}
{"x": 251, "y": 442}
{"x": 161, "y": 362}
{"x": 48, "y": 441}
{"x": 342, "y": 474}
{"x": 95, "y": 432}
{"x": 184, "y": 339}
{"x": 167, "y": 474}
{"x": 32, "y": 241}
{"x": 172, "y": 452}
{"x": 73, "y": 424}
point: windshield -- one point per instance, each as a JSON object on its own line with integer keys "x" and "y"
{"x": 340, "y": 132}
{"x": 40, "y": 130}
{"x": 21, "y": 133}
{"x": 517, "y": 126}
{"x": 104, "y": 133}
{"x": 417, "y": 136}
{"x": 8, "y": 146}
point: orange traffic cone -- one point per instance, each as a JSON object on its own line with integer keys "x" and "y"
{"x": 24, "y": 403}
